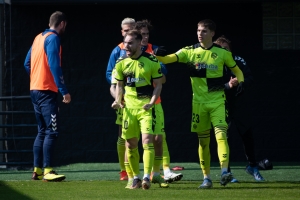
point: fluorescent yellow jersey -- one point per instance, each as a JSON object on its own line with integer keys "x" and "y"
{"x": 137, "y": 75}
{"x": 113, "y": 80}
{"x": 206, "y": 71}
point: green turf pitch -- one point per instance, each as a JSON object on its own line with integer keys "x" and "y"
{"x": 100, "y": 181}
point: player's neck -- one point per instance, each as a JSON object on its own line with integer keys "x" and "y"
{"x": 137, "y": 54}
{"x": 206, "y": 45}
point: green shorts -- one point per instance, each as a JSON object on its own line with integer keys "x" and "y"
{"x": 158, "y": 120}
{"x": 135, "y": 122}
{"x": 205, "y": 114}
{"x": 119, "y": 113}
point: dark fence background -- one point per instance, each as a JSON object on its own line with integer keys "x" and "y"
{"x": 89, "y": 133}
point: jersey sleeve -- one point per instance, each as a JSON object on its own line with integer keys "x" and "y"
{"x": 163, "y": 68}
{"x": 52, "y": 49}
{"x": 182, "y": 55}
{"x": 248, "y": 77}
{"x": 115, "y": 54}
{"x": 113, "y": 75}
{"x": 229, "y": 61}
{"x": 118, "y": 74}
{"x": 27, "y": 62}
{"x": 156, "y": 72}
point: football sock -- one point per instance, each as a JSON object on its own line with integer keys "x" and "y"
{"x": 37, "y": 170}
{"x": 147, "y": 176}
{"x": 223, "y": 148}
{"x": 204, "y": 151}
{"x": 148, "y": 157}
{"x": 166, "y": 155}
{"x": 128, "y": 170}
{"x": 47, "y": 170}
{"x": 225, "y": 169}
{"x": 133, "y": 159}
{"x": 206, "y": 172}
{"x": 121, "y": 152}
{"x": 157, "y": 164}
{"x": 207, "y": 176}
{"x": 167, "y": 171}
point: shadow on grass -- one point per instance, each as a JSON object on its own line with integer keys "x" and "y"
{"x": 8, "y": 193}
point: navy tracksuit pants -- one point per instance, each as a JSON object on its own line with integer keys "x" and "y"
{"x": 46, "y": 112}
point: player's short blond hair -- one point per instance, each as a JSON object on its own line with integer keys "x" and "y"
{"x": 127, "y": 20}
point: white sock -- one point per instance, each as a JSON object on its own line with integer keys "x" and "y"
{"x": 146, "y": 176}
{"x": 167, "y": 171}
{"x": 207, "y": 176}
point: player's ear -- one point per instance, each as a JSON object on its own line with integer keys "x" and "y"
{"x": 212, "y": 33}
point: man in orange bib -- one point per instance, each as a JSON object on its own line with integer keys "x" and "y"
{"x": 43, "y": 64}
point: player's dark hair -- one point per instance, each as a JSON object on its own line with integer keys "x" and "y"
{"x": 222, "y": 39}
{"x": 56, "y": 18}
{"x": 143, "y": 23}
{"x": 136, "y": 33}
{"x": 207, "y": 23}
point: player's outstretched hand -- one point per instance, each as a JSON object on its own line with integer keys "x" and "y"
{"x": 240, "y": 89}
{"x": 160, "y": 51}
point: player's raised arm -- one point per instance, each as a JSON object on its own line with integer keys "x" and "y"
{"x": 161, "y": 55}
{"x": 171, "y": 58}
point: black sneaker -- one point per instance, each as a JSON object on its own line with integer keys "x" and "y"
{"x": 137, "y": 183}
{"x": 146, "y": 183}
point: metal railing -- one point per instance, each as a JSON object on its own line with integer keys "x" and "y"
{"x": 13, "y": 137}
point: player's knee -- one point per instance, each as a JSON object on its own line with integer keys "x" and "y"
{"x": 203, "y": 133}
{"x": 204, "y": 138}
{"x": 221, "y": 132}
{"x": 157, "y": 139}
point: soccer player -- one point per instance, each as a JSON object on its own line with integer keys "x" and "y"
{"x": 238, "y": 110}
{"x": 136, "y": 71}
{"x": 117, "y": 52}
{"x": 205, "y": 61}
{"x": 162, "y": 155}
{"x": 43, "y": 64}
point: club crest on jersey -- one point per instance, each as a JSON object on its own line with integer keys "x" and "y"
{"x": 141, "y": 65}
{"x": 198, "y": 56}
{"x": 214, "y": 55}
{"x": 194, "y": 126}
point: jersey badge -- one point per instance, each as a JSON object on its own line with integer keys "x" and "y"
{"x": 141, "y": 65}
{"x": 214, "y": 55}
